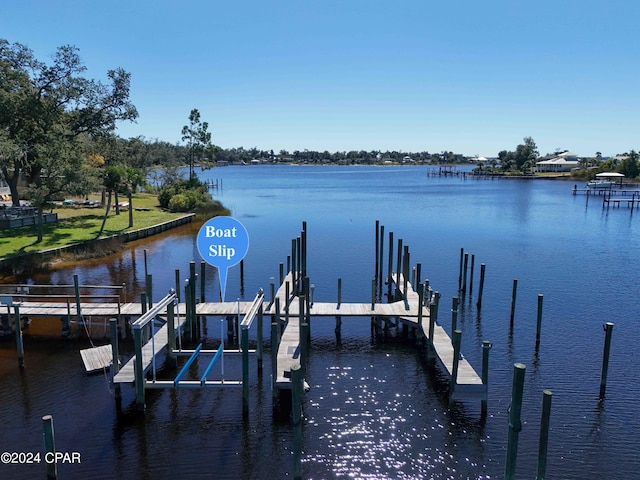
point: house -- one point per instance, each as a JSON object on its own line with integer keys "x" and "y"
{"x": 559, "y": 162}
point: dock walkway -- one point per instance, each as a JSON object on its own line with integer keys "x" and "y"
{"x": 157, "y": 344}
{"x": 469, "y": 383}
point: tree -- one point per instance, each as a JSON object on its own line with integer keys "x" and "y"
{"x": 526, "y": 155}
{"x": 629, "y": 165}
{"x": 39, "y": 102}
{"x": 197, "y": 138}
{"x": 112, "y": 177}
{"x": 63, "y": 173}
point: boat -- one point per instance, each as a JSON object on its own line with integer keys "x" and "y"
{"x": 605, "y": 180}
{"x": 600, "y": 184}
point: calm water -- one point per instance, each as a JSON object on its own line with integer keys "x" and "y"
{"x": 375, "y": 409}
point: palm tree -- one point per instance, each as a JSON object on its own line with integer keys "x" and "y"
{"x": 111, "y": 180}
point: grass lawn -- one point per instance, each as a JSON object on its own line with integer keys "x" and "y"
{"x": 76, "y": 224}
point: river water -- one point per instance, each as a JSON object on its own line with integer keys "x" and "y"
{"x": 376, "y": 409}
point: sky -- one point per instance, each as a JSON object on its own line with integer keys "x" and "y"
{"x": 468, "y": 76}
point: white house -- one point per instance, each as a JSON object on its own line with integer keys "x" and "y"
{"x": 562, "y": 162}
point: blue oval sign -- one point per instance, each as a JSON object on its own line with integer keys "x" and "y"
{"x": 223, "y": 242}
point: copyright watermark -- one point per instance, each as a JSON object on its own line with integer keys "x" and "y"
{"x": 25, "y": 458}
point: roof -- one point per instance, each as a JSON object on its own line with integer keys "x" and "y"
{"x": 610, "y": 174}
{"x": 557, "y": 161}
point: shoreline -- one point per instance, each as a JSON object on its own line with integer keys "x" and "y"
{"x": 25, "y": 262}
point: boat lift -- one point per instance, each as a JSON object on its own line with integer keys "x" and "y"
{"x": 165, "y": 337}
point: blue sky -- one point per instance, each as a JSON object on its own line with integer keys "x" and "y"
{"x": 468, "y": 76}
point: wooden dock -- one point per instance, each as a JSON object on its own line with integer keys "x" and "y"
{"x": 97, "y": 358}
{"x": 156, "y": 345}
{"x": 469, "y": 383}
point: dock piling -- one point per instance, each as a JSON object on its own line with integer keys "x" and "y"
{"x": 460, "y": 269}
{"x": 49, "y": 446}
{"x": 244, "y": 345}
{"x": 377, "y": 252}
{"x": 482, "y": 271}
{"x": 76, "y": 289}
{"x": 539, "y": 319}
{"x": 19, "y": 340}
{"x": 275, "y": 342}
{"x": 464, "y": 276}
{"x": 454, "y": 314}
{"x": 473, "y": 261}
{"x": 115, "y": 355}
{"x": 381, "y": 258}
{"x": 486, "y": 347}
{"x": 515, "y": 425}
{"x": 139, "y": 368}
{"x": 297, "y": 392}
{"x": 433, "y": 318}
{"x": 544, "y": 434}
{"x": 457, "y": 340}
{"x": 390, "y": 266}
{"x": 514, "y": 291}
{"x": 608, "y": 330}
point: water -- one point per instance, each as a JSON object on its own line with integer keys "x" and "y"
{"x": 375, "y": 410}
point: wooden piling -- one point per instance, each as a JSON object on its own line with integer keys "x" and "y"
{"x": 306, "y": 318}
{"x": 514, "y": 291}
{"x": 177, "y": 273}
{"x": 608, "y": 329}
{"x": 304, "y": 334}
{"x": 202, "y": 281}
{"x": 193, "y": 302}
{"x": 390, "y": 266}
{"x": 244, "y": 345}
{"x": 457, "y": 340}
{"x": 398, "y": 267}
{"x": 294, "y": 276}
{"x": 260, "y": 335}
{"x": 460, "y": 269}
{"x": 297, "y": 392}
{"x": 242, "y": 277}
{"x": 299, "y": 263}
{"x": 303, "y": 249}
{"x": 486, "y": 347}
{"x": 515, "y": 425}
{"x": 539, "y": 319}
{"x": 76, "y": 290}
{"x": 139, "y": 368}
{"x": 433, "y": 318}
{"x": 544, "y": 435}
{"x": 146, "y": 270}
{"x": 19, "y": 340}
{"x": 481, "y": 288}
{"x": 171, "y": 332}
{"x": 381, "y": 258}
{"x": 454, "y": 314}
{"x": 373, "y": 293}
{"x": 275, "y": 342}
{"x": 115, "y": 355}
{"x": 149, "y": 288}
{"x": 473, "y": 261}
{"x": 464, "y": 276}
{"x": 272, "y": 290}
{"x": 420, "y": 302}
{"x": 377, "y": 252}
{"x": 49, "y": 446}
{"x": 405, "y": 270}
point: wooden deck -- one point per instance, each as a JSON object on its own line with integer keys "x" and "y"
{"x": 469, "y": 382}
{"x": 96, "y": 358}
